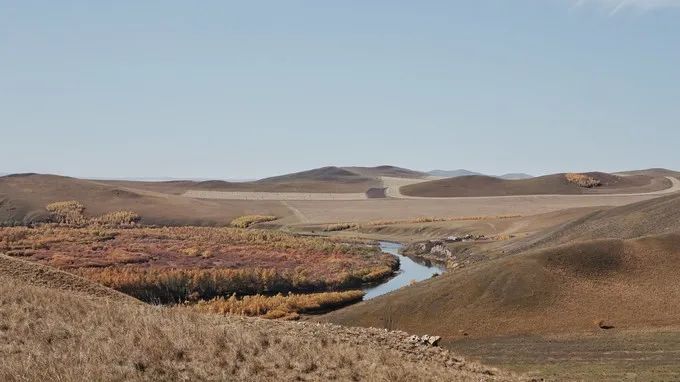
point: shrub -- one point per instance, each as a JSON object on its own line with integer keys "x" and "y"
{"x": 339, "y": 227}
{"x": 69, "y": 213}
{"x": 280, "y": 306}
{"x": 118, "y": 219}
{"x": 582, "y": 180}
{"x": 248, "y": 220}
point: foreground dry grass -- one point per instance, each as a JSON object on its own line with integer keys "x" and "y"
{"x": 180, "y": 263}
{"x": 57, "y": 335}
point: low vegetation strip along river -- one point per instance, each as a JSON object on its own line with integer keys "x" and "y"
{"x": 175, "y": 264}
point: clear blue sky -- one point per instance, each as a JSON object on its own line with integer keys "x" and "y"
{"x": 219, "y": 89}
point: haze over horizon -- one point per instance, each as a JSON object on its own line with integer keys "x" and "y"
{"x": 228, "y": 90}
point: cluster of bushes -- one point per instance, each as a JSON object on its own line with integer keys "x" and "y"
{"x": 339, "y": 227}
{"x": 280, "y": 306}
{"x": 72, "y": 214}
{"x": 179, "y": 285}
{"x": 582, "y": 180}
{"x": 176, "y": 264}
{"x": 248, "y": 220}
{"x": 118, "y": 219}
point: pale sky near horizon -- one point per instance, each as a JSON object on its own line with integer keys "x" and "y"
{"x": 222, "y": 89}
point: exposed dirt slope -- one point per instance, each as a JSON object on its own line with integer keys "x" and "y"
{"x": 628, "y": 284}
{"x": 116, "y": 340}
{"x": 23, "y": 199}
{"x": 556, "y": 184}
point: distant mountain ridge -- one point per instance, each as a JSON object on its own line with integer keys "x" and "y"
{"x": 463, "y": 172}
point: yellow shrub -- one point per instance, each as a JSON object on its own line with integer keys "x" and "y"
{"x": 339, "y": 227}
{"x": 248, "y": 220}
{"x": 118, "y": 219}
{"x": 582, "y": 180}
{"x": 67, "y": 213}
{"x": 279, "y": 306}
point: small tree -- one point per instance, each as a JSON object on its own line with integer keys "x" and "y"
{"x": 68, "y": 213}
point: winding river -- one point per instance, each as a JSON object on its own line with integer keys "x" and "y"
{"x": 409, "y": 271}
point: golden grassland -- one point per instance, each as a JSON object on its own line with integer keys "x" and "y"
{"x": 174, "y": 264}
{"x": 279, "y": 306}
{"x": 53, "y": 335}
{"x": 248, "y": 220}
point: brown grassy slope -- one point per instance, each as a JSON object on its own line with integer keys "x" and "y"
{"x": 325, "y": 179}
{"x": 555, "y": 184}
{"x": 656, "y": 216}
{"x": 49, "y": 334}
{"x": 23, "y": 198}
{"x": 391, "y": 171}
{"x": 656, "y": 172}
{"x": 47, "y": 277}
{"x": 630, "y": 284}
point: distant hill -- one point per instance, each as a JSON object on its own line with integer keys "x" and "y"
{"x": 557, "y": 184}
{"x": 453, "y": 173}
{"x": 515, "y": 176}
{"x": 391, "y": 171}
{"x": 463, "y": 172}
{"x": 651, "y": 172}
{"x": 326, "y": 179}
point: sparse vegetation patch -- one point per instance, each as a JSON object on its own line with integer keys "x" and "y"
{"x": 339, "y": 227}
{"x": 248, "y": 220}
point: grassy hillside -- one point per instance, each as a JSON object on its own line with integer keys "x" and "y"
{"x": 119, "y": 339}
{"x": 623, "y": 283}
{"x": 614, "y": 264}
{"x": 557, "y": 184}
{"x": 652, "y": 217}
{"x": 23, "y": 199}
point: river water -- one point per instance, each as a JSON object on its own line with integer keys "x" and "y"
{"x": 409, "y": 271}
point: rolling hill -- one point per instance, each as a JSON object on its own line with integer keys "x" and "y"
{"x": 453, "y": 173}
{"x": 462, "y": 172}
{"x": 615, "y": 267}
{"x": 516, "y": 176}
{"x": 391, "y": 171}
{"x": 321, "y": 180}
{"x": 23, "y": 198}
{"x": 556, "y": 184}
